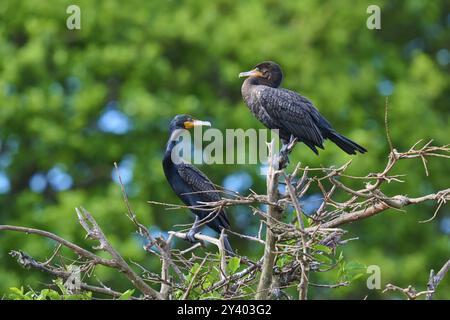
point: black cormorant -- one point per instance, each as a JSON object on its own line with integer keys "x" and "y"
{"x": 293, "y": 115}
{"x": 191, "y": 185}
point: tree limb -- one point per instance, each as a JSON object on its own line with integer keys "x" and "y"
{"x": 434, "y": 280}
{"x": 274, "y": 213}
{"x": 95, "y": 232}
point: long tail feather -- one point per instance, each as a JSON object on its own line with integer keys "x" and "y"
{"x": 346, "y": 144}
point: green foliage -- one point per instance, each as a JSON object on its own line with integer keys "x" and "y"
{"x": 233, "y": 265}
{"x": 50, "y": 294}
{"x": 283, "y": 260}
{"x": 151, "y": 60}
{"x": 126, "y": 295}
{"x": 351, "y": 271}
{"x": 322, "y": 248}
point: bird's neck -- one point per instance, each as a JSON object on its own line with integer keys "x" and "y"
{"x": 250, "y": 82}
{"x": 247, "y": 87}
{"x": 169, "y": 147}
{"x": 169, "y": 166}
{"x": 173, "y": 141}
{"x": 255, "y": 81}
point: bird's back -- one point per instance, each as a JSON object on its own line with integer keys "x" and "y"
{"x": 286, "y": 111}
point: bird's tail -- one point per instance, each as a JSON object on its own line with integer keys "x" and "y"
{"x": 228, "y": 249}
{"x": 345, "y": 144}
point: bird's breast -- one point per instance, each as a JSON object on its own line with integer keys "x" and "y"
{"x": 251, "y": 99}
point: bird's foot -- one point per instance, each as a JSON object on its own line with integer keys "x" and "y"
{"x": 190, "y": 236}
{"x": 282, "y": 160}
{"x": 291, "y": 144}
{"x": 283, "y": 155}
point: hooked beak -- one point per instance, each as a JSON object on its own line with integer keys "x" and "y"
{"x": 251, "y": 73}
{"x": 196, "y": 123}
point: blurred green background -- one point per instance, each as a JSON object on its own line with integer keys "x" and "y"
{"x": 73, "y": 102}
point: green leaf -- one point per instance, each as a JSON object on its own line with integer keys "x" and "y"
{"x": 355, "y": 266}
{"x": 53, "y": 295}
{"x": 324, "y": 249}
{"x": 212, "y": 296}
{"x": 82, "y": 296}
{"x": 212, "y": 277}
{"x": 352, "y": 271}
{"x": 17, "y": 291}
{"x": 193, "y": 270}
{"x": 323, "y": 258}
{"x": 357, "y": 276}
{"x": 341, "y": 257}
{"x": 126, "y": 295}
{"x": 59, "y": 283}
{"x": 43, "y": 294}
{"x": 307, "y": 221}
{"x": 283, "y": 260}
{"x": 18, "y": 294}
{"x": 280, "y": 262}
{"x": 178, "y": 294}
{"x": 233, "y": 265}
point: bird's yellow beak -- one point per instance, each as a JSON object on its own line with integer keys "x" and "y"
{"x": 195, "y": 123}
{"x": 251, "y": 73}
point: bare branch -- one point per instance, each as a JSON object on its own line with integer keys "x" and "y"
{"x": 274, "y": 212}
{"x": 386, "y": 124}
{"x": 93, "y": 258}
{"x": 95, "y": 232}
{"x": 28, "y": 262}
{"x": 296, "y": 248}
{"x": 398, "y": 201}
{"x": 434, "y": 280}
{"x": 410, "y": 292}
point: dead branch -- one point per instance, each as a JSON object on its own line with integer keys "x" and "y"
{"x": 398, "y": 201}
{"x": 410, "y": 292}
{"x": 295, "y": 241}
{"x": 95, "y": 233}
{"x": 434, "y": 280}
{"x": 27, "y": 262}
{"x": 91, "y": 257}
{"x": 265, "y": 280}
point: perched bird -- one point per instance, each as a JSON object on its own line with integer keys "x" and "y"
{"x": 191, "y": 185}
{"x": 293, "y": 115}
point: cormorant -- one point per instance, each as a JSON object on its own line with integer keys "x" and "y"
{"x": 191, "y": 185}
{"x": 293, "y": 115}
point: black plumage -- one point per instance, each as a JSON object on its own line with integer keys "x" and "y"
{"x": 293, "y": 115}
{"x": 191, "y": 185}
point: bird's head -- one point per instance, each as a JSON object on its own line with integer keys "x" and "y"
{"x": 267, "y": 73}
{"x": 183, "y": 121}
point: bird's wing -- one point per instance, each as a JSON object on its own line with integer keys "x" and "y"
{"x": 202, "y": 189}
{"x": 292, "y": 112}
{"x": 198, "y": 181}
